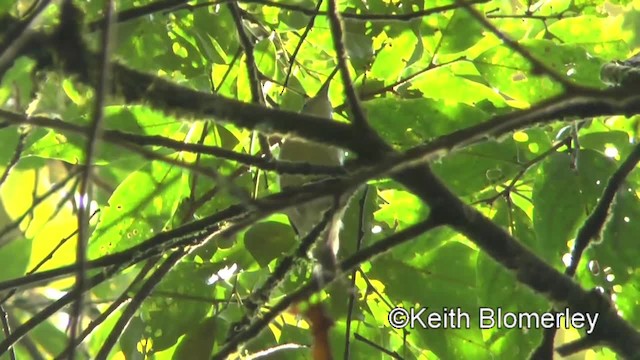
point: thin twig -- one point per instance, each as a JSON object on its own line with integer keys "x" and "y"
{"x": 306, "y": 31}
{"x": 15, "y": 158}
{"x": 337, "y": 31}
{"x": 252, "y": 70}
{"x": 86, "y": 192}
{"x": 6, "y": 329}
{"x": 117, "y": 303}
{"x": 36, "y": 201}
{"x": 134, "y": 141}
{"x": 136, "y": 302}
{"x": 17, "y": 37}
{"x": 392, "y": 354}
{"x": 354, "y": 273}
{"x": 539, "y": 67}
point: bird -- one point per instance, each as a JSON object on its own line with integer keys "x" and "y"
{"x": 304, "y": 218}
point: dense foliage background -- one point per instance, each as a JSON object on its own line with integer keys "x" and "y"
{"x": 174, "y": 233}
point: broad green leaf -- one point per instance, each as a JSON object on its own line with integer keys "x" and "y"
{"x": 295, "y": 20}
{"x": 516, "y": 222}
{"x": 9, "y": 138}
{"x": 394, "y": 57}
{"x": 419, "y": 79}
{"x": 399, "y": 208}
{"x": 407, "y": 123}
{"x": 48, "y": 224}
{"x": 612, "y": 143}
{"x": 198, "y": 342}
{"x": 70, "y": 147}
{"x": 478, "y": 167}
{"x": 444, "y": 83}
{"x": 179, "y": 302}
{"x": 496, "y": 285}
{"x": 460, "y": 23}
{"x": 6, "y": 6}
{"x": 143, "y": 120}
{"x": 440, "y": 287}
{"x": 617, "y": 249}
{"x": 632, "y": 24}
{"x": 18, "y": 77}
{"x": 627, "y": 298}
{"x": 138, "y": 209}
{"x": 15, "y": 256}
{"x": 605, "y": 44}
{"x": 512, "y": 75}
{"x": 50, "y": 338}
{"x": 265, "y": 54}
{"x": 221, "y": 32}
{"x": 358, "y": 45}
{"x": 135, "y": 340}
{"x": 558, "y": 189}
{"x": 269, "y": 240}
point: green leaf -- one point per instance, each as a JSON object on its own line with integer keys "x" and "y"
{"x": 198, "y": 342}
{"x": 461, "y": 23}
{"x": 479, "y": 167}
{"x": 269, "y": 240}
{"x": 221, "y": 33}
{"x": 618, "y": 250}
{"x": 9, "y": 138}
{"x": 605, "y": 142}
{"x": 439, "y": 288}
{"x": 498, "y": 288}
{"x": 560, "y": 190}
{"x": 49, "y": 337}
{"x": 608, "y": 44}
{"x": 138, "y": 209}
{"x": 407, "y": 123}
{"x": 18, "y": 78}
{"x": 180, "y": 301}
{"x": 393, "y": 58}
{"x": 358, "y": 45}
{"x": 445, "y": 83}
{"x": 400, "y": 208}
{"x": 15, "y": 256}
{"x": 265, "y": 54}
{"x": 135, "y": 339}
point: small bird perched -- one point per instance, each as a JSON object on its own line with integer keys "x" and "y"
{"x": 304, "y": 218}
